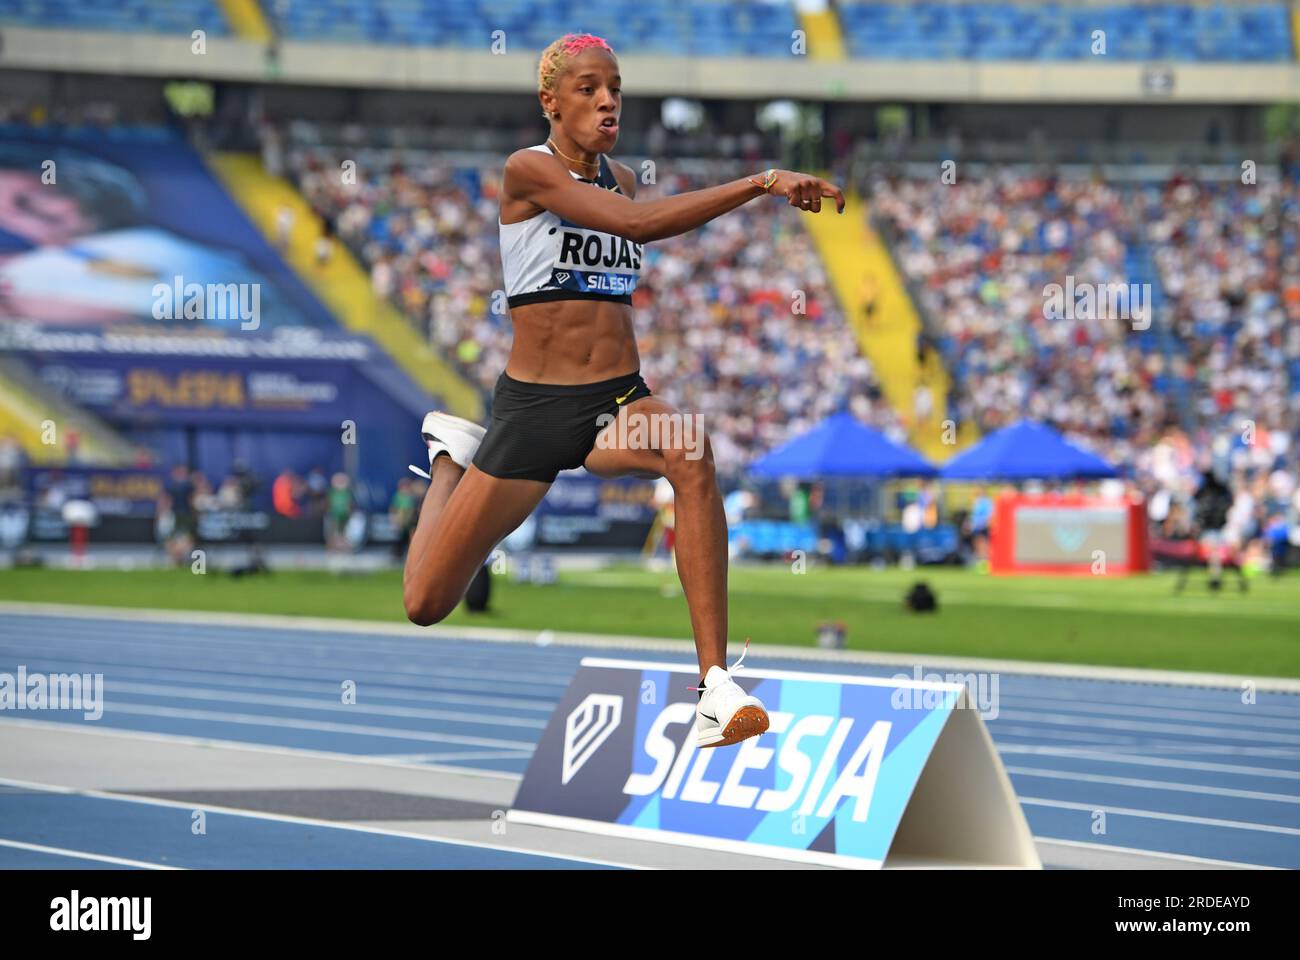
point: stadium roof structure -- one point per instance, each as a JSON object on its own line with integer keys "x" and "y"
{"x": 1026, "y": 450}
{"x": 841, "y": 446}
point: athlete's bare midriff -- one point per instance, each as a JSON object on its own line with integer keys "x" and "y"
{"x": 572, "y": 341}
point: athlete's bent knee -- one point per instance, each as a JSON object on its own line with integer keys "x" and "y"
{"x": 426, "y": 609}
{"x": 688, "y": 466}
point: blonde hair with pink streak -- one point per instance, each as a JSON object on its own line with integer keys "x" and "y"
{"x": 556, "y": 57}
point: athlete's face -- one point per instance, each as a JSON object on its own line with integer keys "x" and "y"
{"x": 590, "y": 99}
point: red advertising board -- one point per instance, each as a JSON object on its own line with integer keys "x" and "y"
{"x": 1068, "y": 534}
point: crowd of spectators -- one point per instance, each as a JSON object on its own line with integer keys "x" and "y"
{"x": 1208, "y": 379}
{"x": 328, "y": 499}
{"x": 979, "y": 254}
{"x": 187, "y": 495}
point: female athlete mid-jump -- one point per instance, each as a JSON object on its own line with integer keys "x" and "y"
{"x": 572, "y": 243}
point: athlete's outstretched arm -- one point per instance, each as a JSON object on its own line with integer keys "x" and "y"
{"x": 542, "y": 180}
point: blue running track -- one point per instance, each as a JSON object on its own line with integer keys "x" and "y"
{"x": 1181, "y": 770}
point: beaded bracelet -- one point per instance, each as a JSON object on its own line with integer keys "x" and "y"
{"x": 769, "y": 178}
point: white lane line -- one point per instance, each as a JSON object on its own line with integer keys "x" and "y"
{"x": 379, "y": 760}
{"x": 335, "y": 705}
{"x": 1258, "y": 716}
{"x": 1034, "y": 733}
{"x": 1124, "y": 759}
{"x": 184, "y": 740}
{"x": 1155, "y": 784}
{"x": 322, "y": 726}
{"x": 1153, "y": 854}
{"x": 188, "y": 678}
{"x": 1143, "y": 726}
{"x": 683, "y": 647}
{"x": 178, "y": 651}
{"x": 446, "y": 664}
{"x": 84, "y": 855}
{"x": 1159, "y": 747}
{"x": 1247, "y": 717}
{"x": 235, "y": 635}
{"x": 1160, "y": 815}
{"x": 369, "y": 675}
{"x": 377, "y": 679}
{"x": 694, "y": 840}
{"x": 300, "y": 821}
{"x": 1248, "y": 721}
{"x": 483, "y": 755}
{"x": 1067, "y": 694}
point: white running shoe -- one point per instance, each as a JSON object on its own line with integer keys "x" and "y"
{"x": 726, "y": 714}
{"x": 457, "y": 438}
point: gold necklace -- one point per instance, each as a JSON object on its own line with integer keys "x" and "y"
{"x": 585, "y": 163}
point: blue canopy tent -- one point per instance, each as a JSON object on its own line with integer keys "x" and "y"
{"x": 848, "y": 456}
{"x": 841, "y": 446}
{"x": 1026, "y": 451}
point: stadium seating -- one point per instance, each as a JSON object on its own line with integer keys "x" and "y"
{"x": 771, "y": 538}
{"x": 142, "y": 16}
{"x": 929, "y": 30}
{"x": 698, "y": 28}
{"x": 890, "y": 540}
{"x": 1059, "y": 31}
{"x": 765, "y": 538}
{"x": 1222, "y": 345}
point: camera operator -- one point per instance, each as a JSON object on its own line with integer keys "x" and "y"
{"x": 1210, "y": 506}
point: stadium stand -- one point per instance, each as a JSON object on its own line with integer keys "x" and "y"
{"x": 338, "y": 281}
{"x": 698, "y": 28}
{"x": 1222, "y": 348}
{"x": 143, "y": 296}
{"x": 33, "y": 414}
{"x": 1250, "y": 32}
{"x": 886, "y": 324}
{"x": 130, "y": 16}
{"x": 1234, "y": 32}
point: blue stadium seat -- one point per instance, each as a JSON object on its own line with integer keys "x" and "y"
{"x": 931, "y": 30}
{"x": 927, "y": 30}
{"x": 696, "y": 27}
{"x": 134, "y": 16}
{"x": 770, "y": 537}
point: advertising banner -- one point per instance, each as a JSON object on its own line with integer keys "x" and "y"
{"x": 115, "y": 491}
{"x": 854, "y": 771}
{"x": 133, "y": 229}
{"x": 582, "y": 510}
{"x": 1068, "y": 535}
{"x": 210, "y": 391}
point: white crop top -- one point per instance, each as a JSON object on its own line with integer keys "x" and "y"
{"x": 548, "y": 258}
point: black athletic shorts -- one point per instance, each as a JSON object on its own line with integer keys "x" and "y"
{"x": 539, "y": 429}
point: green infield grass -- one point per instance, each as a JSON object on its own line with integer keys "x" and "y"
{"x": 1134, "y": 622}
